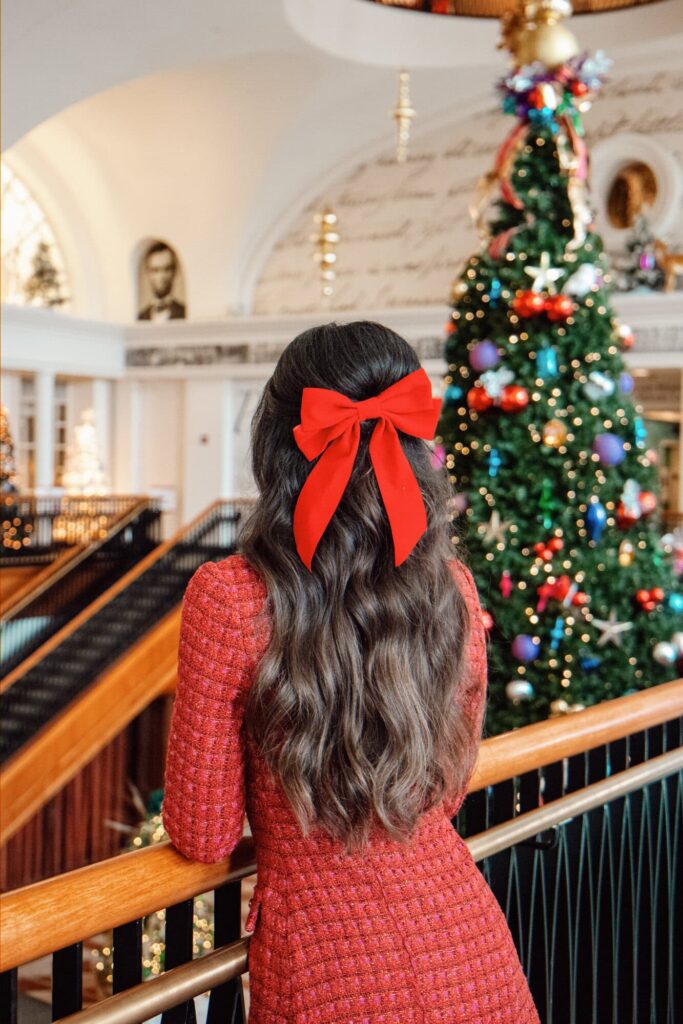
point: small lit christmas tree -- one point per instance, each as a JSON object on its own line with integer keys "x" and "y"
{"x": 539, "y": 430}
{"x": 83, "y": 469}
{"x": 8, "y": 466}
{"x": 44, "y": 286}
{"x": 637, "y": 267}
{"x": 16, "y": 534}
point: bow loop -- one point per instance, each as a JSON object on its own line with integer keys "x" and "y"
{"x": 330, "y": 428}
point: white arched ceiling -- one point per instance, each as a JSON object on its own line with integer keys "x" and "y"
{"x": 210, "y": 124}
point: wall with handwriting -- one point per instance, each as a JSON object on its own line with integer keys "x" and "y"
{"x": 405, "y": 228}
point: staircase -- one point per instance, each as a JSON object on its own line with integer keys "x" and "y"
{"x": 76, "y": 578}
{"x": 92, "y": 675}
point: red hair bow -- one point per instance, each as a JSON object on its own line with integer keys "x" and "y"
{"x": 330, "y": 427}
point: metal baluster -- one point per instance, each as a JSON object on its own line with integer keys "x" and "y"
{"x": 127, "y": 956}
{"x": 226, "y": 1003}
{"x": 178, "y": 940}
{"x": 8, "y": 996}
{"x": 67, "y": 980}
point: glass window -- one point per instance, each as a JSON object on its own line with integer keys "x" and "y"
{"x": 33, "y": 269}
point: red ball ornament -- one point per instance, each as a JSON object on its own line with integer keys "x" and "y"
{"x": 479, "y": 399}
{"x": 647, "y": 502}
{"x": 580, "y": 599}
{"x": 561, "y": 587}
{"x": 642, "y": 596}
{"x": 449, "y": 327}
{"x": 487, "y": 619}
{"x": 624, "y": 517}
{"x": 528, "y": 303}
{"x": 556, "y": 544}
{"x": 657, "y": 594}
{"x": 514, "y": 398}
{"x": 558, "y": 307}
{"x": 578, "y": 88}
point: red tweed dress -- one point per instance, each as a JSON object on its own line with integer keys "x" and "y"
{"x": 397, "y": 935}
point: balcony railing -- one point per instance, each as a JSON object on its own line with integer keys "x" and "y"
{"x": 581, "y": 838}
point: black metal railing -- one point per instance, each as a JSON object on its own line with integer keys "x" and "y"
{"x": 595, "y": 905}
{"x": 593, "y": 900}
{"x": 66, "y": 671}
{"x": 80, "y": 581}
{"x": 36, "y": 529}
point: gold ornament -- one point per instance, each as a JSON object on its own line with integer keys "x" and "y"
{"x": 459, "y": 290}
{"x": 533, "y": 32}
{"x": 559, "y": 707}
{"x": 626, "y": 553}
{"x": 552, "y": 44}
{"x": 554, "y": 433}
{"x": 325, "y": 240}
{"x": 403, "y": 113}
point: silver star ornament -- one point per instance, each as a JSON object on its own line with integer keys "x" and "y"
{"x": 610, "y": 630}
{"x": 544, "y": 276}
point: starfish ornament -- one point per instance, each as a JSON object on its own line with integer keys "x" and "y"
{"x": 544, "y": 276}
{"x": 495, "y": 529}
{"x": 611, "y": 630}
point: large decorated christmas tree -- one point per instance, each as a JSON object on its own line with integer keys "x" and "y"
{"x": 540, "y": 433}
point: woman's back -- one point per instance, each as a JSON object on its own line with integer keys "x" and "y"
{"x": 398, "y": 932}
{"x": 332, "y": 683}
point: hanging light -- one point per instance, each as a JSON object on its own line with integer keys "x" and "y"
{"x": 325, "y": 239}
{"x": 403, "y": 114}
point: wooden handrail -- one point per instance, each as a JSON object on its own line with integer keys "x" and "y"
{"x": 63, "y": 565}
{"x": 132, "y": 885}
{"x": 36, "y": 579}
{"x": 545, "y": 742}
{"x": 115, "y": 891}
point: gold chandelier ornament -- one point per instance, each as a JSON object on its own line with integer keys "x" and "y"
{"x": 325, "y": 241}
{"x": 533, "y": 31}
{"x": 403, "y": 114}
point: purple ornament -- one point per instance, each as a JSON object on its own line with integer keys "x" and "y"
{"x": 609, "y": 449}
{"x": 484, "y": 356}
{"x": 525, "y": 648}
{"x": 646, "y": 261}
{"x": 625, "y": 383}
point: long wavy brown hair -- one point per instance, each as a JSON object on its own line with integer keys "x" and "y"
{"x": 354, "y": 704}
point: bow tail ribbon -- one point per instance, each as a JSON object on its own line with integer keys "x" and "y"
{"x": 322, "y": 492}
{"x": 400, "y": 490}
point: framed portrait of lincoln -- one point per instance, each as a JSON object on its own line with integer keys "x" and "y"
{"x": 161, "y": 284}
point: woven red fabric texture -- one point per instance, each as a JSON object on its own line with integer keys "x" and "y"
{"x": 397, "y": 935}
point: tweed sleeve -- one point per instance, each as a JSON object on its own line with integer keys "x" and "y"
{"x": 203, "y": 805}
{"x": 472, "y": 695}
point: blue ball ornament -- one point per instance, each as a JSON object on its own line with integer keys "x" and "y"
{"x": 625, "y": 383}
{"x": 525, "y": 648}
{"x": 546, "y": 362}
{"x": 596, "y": 520}
{"x": 452, "y": 394}
{"x": 609, "y": 448}
{"x": 590, "y": 663}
